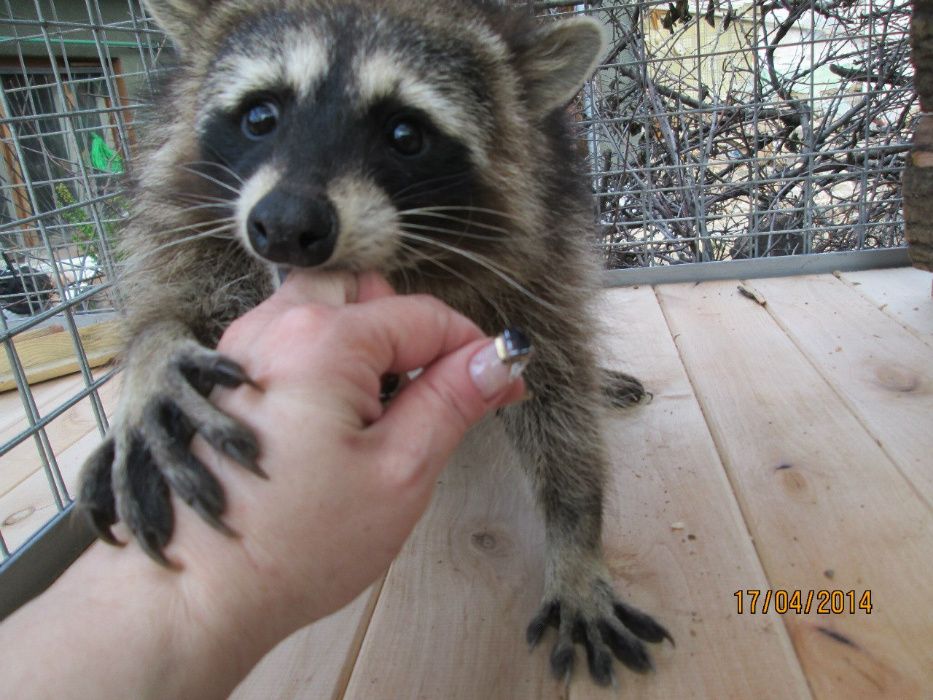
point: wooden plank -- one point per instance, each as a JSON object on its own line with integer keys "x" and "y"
{"x": 30, "y": 505}
{"x": 905, "y": 293}
{"x": 53, "y": 355}
{"x": 883, "y": 372}
{"x": 315, "y": 662}
{"x": 46, "y": 395}
{"x": 666, "y": 472}
{"x": 825, "y": 505}
{"x": 63, "y": 432}
{"x": 451, "y": 617}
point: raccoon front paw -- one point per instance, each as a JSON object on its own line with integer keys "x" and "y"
{"x": 604, "y": 626}
{"x": 146, "y": 455}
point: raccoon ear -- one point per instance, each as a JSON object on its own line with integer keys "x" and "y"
{"x": 561, "y": 56}
{"x": 177, "y": 17}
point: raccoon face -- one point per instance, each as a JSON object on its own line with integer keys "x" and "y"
{"x": 331, "y": 178}
{"x": 358, "y": 136}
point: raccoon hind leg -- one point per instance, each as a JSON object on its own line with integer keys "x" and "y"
{"x": 557, "y": 435}
{"x": 623, "y": 390}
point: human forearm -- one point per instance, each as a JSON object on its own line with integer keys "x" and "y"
{"x": 117, "y": 626}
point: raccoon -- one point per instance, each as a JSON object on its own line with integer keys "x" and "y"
{"x": 427, "y": 141}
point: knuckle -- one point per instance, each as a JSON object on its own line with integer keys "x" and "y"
{"x": 307, "y": 320}
{"x": 444, "y": 400}
{"x": 401, "y": 470}
{"x": 306, "y": 316}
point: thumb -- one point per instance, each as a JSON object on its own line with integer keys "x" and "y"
{"x": 430, "y": 416}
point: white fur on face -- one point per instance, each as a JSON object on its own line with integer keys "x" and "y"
{"x": 299, "y": 62}
{"x": 369, "y": 224}
{"x": 258, "y": 186}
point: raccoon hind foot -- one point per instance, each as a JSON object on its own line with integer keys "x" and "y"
{"x": 131, "y": 475}
{"x": 623, "y": 390}
{"x": 606, "y": 627}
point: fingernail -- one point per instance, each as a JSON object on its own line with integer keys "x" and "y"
{"x": 501, "y": 362}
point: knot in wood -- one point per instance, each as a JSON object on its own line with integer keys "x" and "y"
{"x": 19, "y": 515}
{"x": 898, "y": 378}
{"x": 485, "y": 541}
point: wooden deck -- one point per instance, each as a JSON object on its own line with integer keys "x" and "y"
{"x": 788, "y": 447}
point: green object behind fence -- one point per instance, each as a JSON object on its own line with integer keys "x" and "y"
{"x": 103, "y": 157}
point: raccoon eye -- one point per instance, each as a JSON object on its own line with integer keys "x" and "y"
{"x": 405, "y": 137}
{"x": 260, "y": 119}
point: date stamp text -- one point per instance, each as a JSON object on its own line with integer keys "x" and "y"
{"x": 754, "y": 601}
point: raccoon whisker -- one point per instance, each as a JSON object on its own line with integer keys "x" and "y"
{"x": 457, "y": 219}
{"x": 430, "y": 182}
{"x": 190, "y": 197}
{"x": 211, "y": 233}
{"x": 423, "y": 187}
{"x": 224, "y": 221}
{"x": 221, "y": 161}
{"x": 219, "y": 226}
{"x": 236, "y": 281}
{"x": 468, "y": 208}
{"x": 421, "y": 255}
{"x": 466, "y": 280}
{"x": 210, "y": 178}
{"x": 450, "y": 232}
{"x": 223, "y": 166}
{"x": 208, "y": 205}
{"x": 484, "y": 263}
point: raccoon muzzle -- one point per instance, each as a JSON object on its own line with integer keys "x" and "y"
{"x": 297, "y": 229}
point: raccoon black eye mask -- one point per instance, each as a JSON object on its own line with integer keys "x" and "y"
{"x": 426, "y": 141}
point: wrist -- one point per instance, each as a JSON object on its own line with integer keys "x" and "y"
{"x": 238, "y": 604}
{"x": 141, "y": 630}
{"x": 224, "y": 613}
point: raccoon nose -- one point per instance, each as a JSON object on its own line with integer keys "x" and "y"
{"x": 288, "y": 228}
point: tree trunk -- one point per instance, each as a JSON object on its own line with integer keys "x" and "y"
{"x": 918, "y": 176}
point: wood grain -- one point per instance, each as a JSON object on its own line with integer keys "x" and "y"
{"x": 904, "y": 293}
{"x": 316, "y": 661}
{"x": 48, "y": 355}
{"x": 666, "y": 472}
{"x": 826, "y": 507}
{"x": 451, "y": 617}
{"x": 883, "y": 372}
{"x": 28, "y": 506}
{"x": 63, "y": 432}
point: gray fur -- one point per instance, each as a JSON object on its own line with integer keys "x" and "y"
{"x": 504, "y": 82}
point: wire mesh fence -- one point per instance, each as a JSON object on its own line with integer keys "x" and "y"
{"x": 70, "y": 79}
{"x": 715, "y": 130}
{"x": 734, "y": 129}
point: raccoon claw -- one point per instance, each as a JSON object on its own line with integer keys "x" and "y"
{"x": 623, "y": 390}
{"x": 642, "y": 625}
{"x": 207, "y": 369}
{"x": 143, "y": 498}
{"x": 95, "y": 498}
{"x": 147, "y": 456}
{"x": 608, "y": 628}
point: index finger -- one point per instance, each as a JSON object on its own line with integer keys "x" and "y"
{"x": 302, "y": 286}
{"x": 403, "y": 333}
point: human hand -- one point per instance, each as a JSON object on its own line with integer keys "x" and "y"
{"x": 348, "y": 477}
